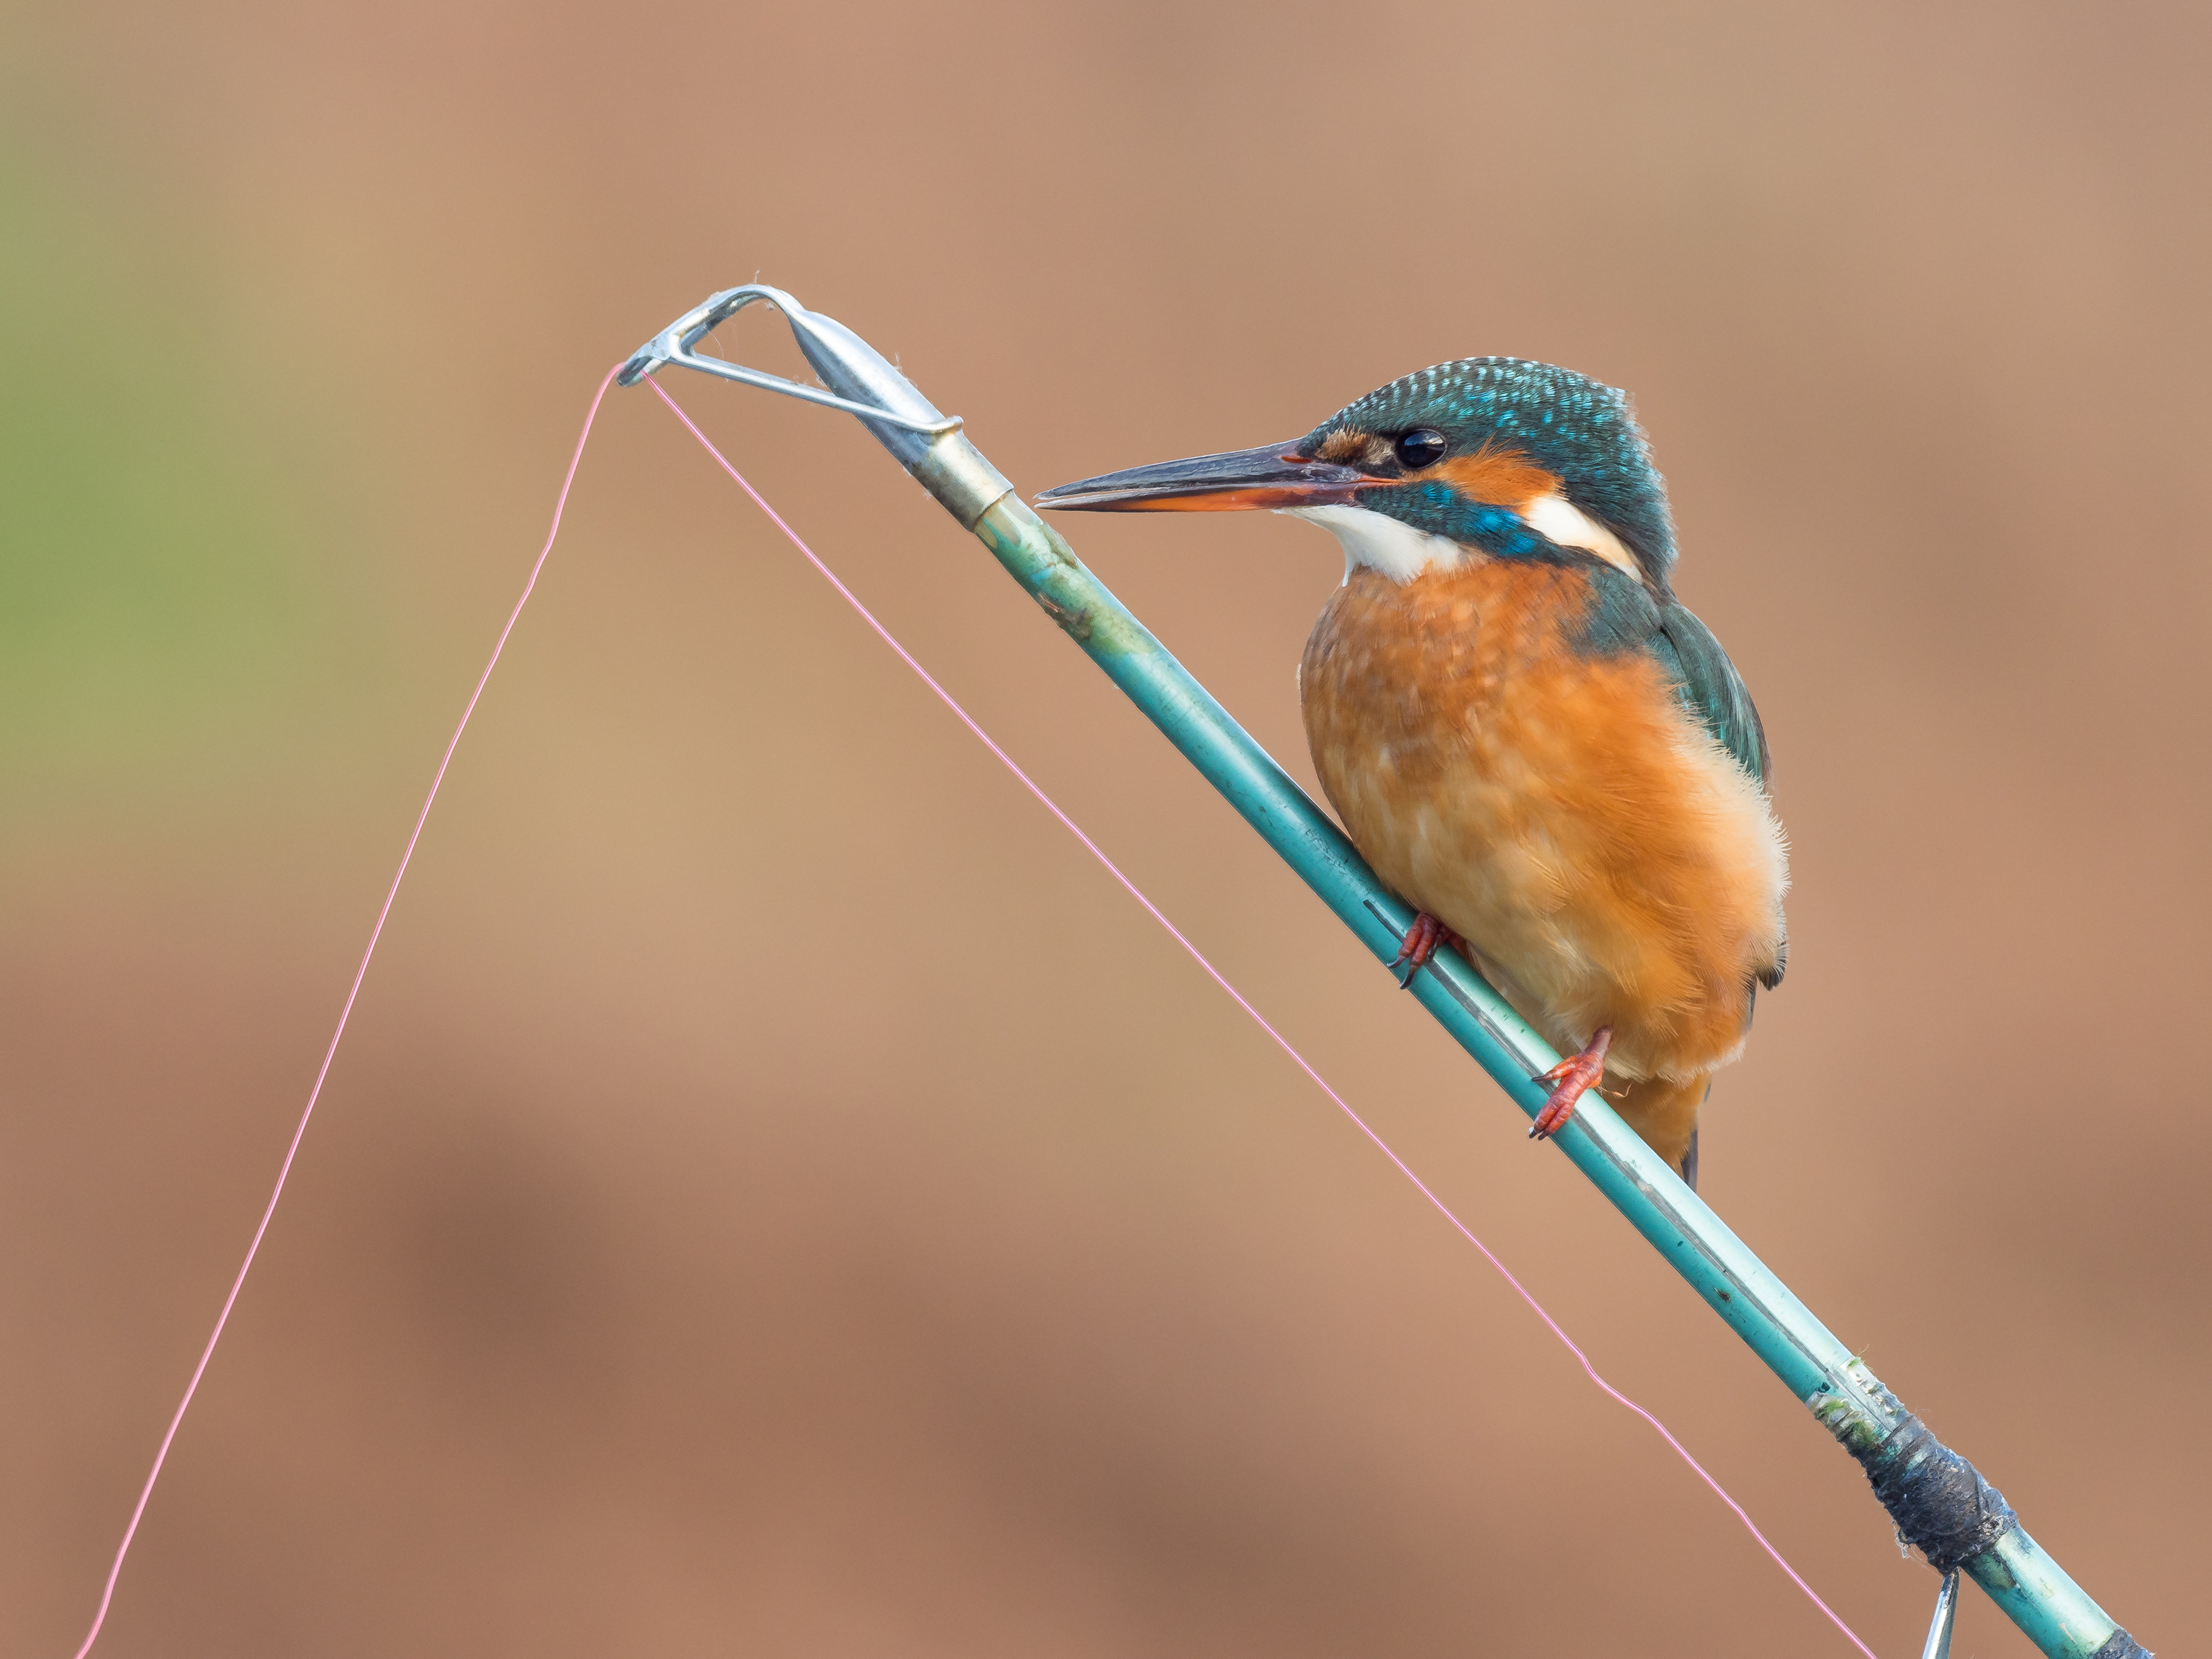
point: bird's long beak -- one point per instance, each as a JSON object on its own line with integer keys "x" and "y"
{"x": 1274, "y": 475}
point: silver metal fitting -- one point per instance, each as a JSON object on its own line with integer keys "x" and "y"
{"x": 1938, "y": 1645}
{"x": 928, "y": 444}
{"x": 860, "y": 381}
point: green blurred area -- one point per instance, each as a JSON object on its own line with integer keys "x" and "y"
{"x": 171, "y": 601}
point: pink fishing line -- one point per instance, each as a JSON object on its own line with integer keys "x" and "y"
{"x": 284, "y": 1170}
{"x": 1238, "y": 997}
{"x": 392, "y": 893}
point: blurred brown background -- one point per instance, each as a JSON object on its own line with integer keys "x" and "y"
{"x": 777, "y": 1196}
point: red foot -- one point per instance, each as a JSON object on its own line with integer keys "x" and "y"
{"x": 1569, "y": 1078}
{"x": 1420, "y": 943}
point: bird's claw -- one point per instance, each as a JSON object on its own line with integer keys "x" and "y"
{"x": 1570, "y": 1080}
{"x": 1420, "y": 943}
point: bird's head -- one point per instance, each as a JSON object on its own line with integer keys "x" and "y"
{"x": 1487, "y": 457}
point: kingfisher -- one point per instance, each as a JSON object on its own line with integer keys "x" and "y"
{"x": 1529, "y": 738}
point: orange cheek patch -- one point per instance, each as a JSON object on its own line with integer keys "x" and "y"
{"x": 1503, "y": 478}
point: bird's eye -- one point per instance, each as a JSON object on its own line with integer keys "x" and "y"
{"x": 1423, "y": 446}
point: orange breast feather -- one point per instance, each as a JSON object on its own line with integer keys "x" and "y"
{"x": 1607, "y": 861}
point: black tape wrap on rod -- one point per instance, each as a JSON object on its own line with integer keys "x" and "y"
{"x": 1942, "y": 1506}
{"x": 2122, "y": 1646}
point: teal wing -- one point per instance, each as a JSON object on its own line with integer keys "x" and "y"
{"x": 1711, "y": 688}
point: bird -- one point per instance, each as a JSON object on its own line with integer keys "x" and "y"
{"x": 1529, "y": 738}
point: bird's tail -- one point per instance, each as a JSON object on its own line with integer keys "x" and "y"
{"x": 1666, "y": 1115}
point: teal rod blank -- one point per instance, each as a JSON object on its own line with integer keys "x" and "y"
{"x": 1849, "y": 1399}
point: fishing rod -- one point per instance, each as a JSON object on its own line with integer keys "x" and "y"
{"x": 1939, "y": 1503}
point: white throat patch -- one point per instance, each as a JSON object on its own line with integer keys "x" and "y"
{"x": 1381, "y": 542}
